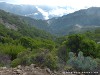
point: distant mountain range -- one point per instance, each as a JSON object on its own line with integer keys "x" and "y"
{"x": 82, "y": 20}
{"x": 33, "y": 11}
{"x": 24, "y": 10}
{"x": 79, "y": 21}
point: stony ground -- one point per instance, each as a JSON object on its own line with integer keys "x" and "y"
{"x": 28, "y": 70}
{"x": 31, "y": 70}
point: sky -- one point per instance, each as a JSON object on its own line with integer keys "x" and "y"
{"x": 71, "y": 5}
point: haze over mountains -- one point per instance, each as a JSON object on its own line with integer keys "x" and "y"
{"x": 79, "y": 21}
{"x": 34, "y": 11}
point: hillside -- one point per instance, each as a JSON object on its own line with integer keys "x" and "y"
{"x": 82, "y": 20}
{"x": 16, "y": 37}
{"x": 77, "y": 22}
{"x": 40, "y": 24}
{"x": 23, "y": 43}
{"x": 17, "y": 24}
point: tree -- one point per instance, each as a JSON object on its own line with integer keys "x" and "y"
{"x": 88, "y": 47}
{"x": 26, "y": 42}
{"x": 73, "y": 42}
{"x": 79, "y": 42}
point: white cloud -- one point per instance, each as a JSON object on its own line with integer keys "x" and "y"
{"x": 45, "y": 14}
{"x": 35, "y": 13}
{"x": 58, "y": 11}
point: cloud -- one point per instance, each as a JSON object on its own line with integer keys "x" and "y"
{"x": 77, "y": 4}
{"x": 35, "y": 13}
{"x": 44, "y": 13}
{"x": 58, "y": 11}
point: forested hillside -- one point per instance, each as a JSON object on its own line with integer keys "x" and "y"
{"x": 22, "y": 44}
{"x": 17, "y": 36}
{"x": 79, "y": 21}
{"x": 76, "y": 22}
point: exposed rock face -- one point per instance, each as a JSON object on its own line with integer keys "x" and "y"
{"x": 8, "y": 25}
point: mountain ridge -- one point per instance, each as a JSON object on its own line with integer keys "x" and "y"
{"x": 82, "y": 17}
{"x": 87, "y": 19}
{"x": 33, "y": 11}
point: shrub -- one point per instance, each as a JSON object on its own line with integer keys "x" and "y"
{"x": 51, "y": 62}
{"x": 15, "y": 62}
{"x": 81, "y": 63}
{"x": 23, "y": 58}
{"x": 44, "y": 60}
{"x": 41, "y": 58}
{"x": 11, "y": 50}
{"x": 4, "y": 60}
{"x": 63, "y": 53}
{"x": 38, "y": 59}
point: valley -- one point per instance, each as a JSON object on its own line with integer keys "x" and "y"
{"x": 60, "y": 44}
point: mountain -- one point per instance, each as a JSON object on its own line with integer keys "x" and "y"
{"x": 14, "y": 25}
{"x": 82, "y": 20}
{"x": 24, "y": 10}
{"x": 23, "y": 43}
{"x": 33, "y": 11}
{"x": 79, "y": 21}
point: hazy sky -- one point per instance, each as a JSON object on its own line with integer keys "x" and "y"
{"x": 72, "y": 3}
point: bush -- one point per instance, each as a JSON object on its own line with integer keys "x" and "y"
{"x": 98, "y": 61}
{"x": 81, "y": 63}
{"x": 23, "y": 58}
{"x": 98, "y": 49}
{"x": 51, "y": 62}
{"x": 4, "y": 60}
{"x": 15, "y": 62}
{"x": 11, "y": 50}
{"x": 45, "y": 60}
{"x": 63, "y": 53}
{"x": 40, "y": 58}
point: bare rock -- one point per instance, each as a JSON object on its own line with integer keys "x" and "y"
{"x": 19, "y": 67}
{"x": 32, "y": 65}
{"x": 48, "y": 70}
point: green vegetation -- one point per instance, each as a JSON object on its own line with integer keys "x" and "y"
{"x": 79, "y": 42}
{"x": 82, "y": 63}
{"x": 24, "y": 45}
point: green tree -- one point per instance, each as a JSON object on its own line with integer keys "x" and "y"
{"x": 79, "y": 42}
{"x": 74, "y": 41}
{"x": 26, "y": 42}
